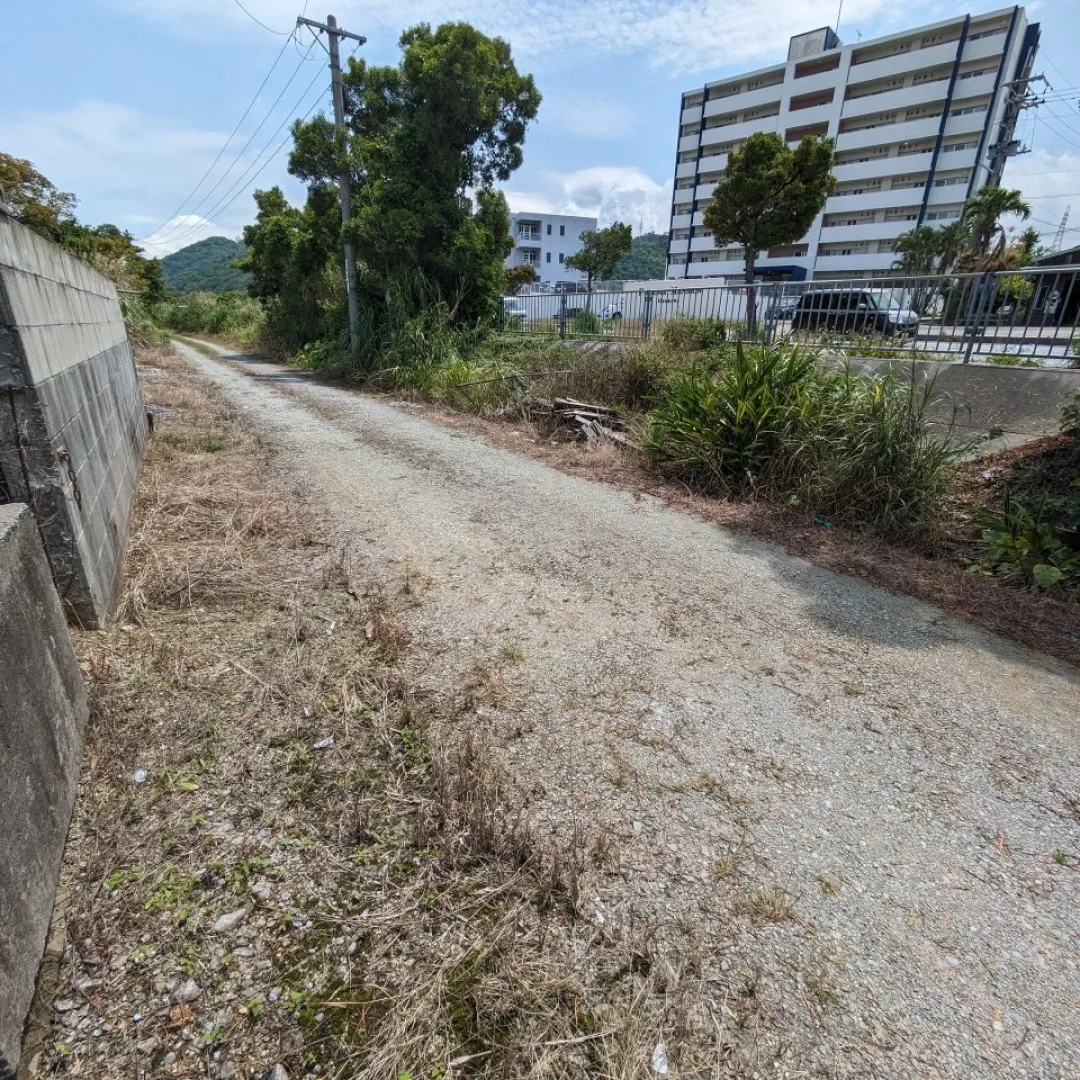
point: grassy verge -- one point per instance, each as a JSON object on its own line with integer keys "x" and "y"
{"x": 280, "y": 855}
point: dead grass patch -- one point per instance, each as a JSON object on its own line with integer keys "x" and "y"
{"x": 279, "y": 854}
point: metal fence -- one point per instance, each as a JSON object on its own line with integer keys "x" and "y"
{"x": 1025, "y": 317}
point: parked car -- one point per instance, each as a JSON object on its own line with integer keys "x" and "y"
{"x": 856, "y": 310}
{"x": 608, "y": 311}
{"x": 514, "y": 309}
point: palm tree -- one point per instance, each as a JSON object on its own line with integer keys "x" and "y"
{"x": 984, "y": 212}
{"x": 917, "y": 250}
{"x": 951, "y": 240}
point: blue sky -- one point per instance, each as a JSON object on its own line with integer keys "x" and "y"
{"x": 128, "y": 102}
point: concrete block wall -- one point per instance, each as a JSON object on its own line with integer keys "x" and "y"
{"x": 72, "y": 423}
{"x": 43, "y": 713}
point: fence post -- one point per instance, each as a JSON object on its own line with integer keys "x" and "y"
{"x": 646, "y": 317}
{"x": 977, "y": 313}
{"x": 562, "y": 316}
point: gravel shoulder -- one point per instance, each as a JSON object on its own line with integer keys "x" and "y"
{"x": 856, "y": 811}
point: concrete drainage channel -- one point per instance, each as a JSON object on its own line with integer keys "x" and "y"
{"x": 72, "y": 430}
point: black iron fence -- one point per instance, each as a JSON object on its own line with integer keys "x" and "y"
{"x": 1025, "y": 317}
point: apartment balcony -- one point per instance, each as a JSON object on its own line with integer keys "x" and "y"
{"x": 902, "y": 63}
{"x": 816, "y": 114}
{"x": 809, "y": 84}
{"x": 704, "y": 191}
{"x": 947, "y": 195}
{"x": 987, "y": 48}
{"x": 748, "y": 99}
{"x": 873, "y": 200}
{"x": 712, "y": 163}
{"x": 686, "y": 169}
{"x": 968, "y": 124}
{"x": 906, "y": 97}
{"x": 881, "y": 260}
{"x": 688, "y": 142}
{"x": 681, "y": 221}
{"x": 980, "y": 86}
{"x": 913, "y": 164}
{"x": 872, "y": 230}
{"x": 909, "y": 131}
{"x": 729, "y": 132}
{"x": 948, "y": 160}
{"x": 691, "y": 115}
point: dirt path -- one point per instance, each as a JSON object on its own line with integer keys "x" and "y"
{"x": 855, "y": 811}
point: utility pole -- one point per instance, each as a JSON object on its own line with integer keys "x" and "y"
{"x": 1018, "y": 100}
{"x": 330, "y": 28}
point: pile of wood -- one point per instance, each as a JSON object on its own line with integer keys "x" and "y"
{"x": 586, "y": 421}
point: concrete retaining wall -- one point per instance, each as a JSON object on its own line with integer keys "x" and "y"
{"x": 43, "y": 713}
{"x": 1019, "y": 401}
{"x": 72, "y": 424}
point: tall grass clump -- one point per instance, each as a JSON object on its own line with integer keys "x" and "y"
{"x": 774, "y": 421}
{"x": 694, "y": 335}
{"x": 234, "y": 315}
{"x": 140, "y": 318}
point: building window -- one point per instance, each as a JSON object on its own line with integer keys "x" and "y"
{"x": 562, "y": 258}
{"x": 549, "y": 229}
{"x": 562, "y": 230}
{"x": 547, "y": 257}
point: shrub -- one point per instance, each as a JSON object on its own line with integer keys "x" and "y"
{"x": 1035, "y": 543}
{"x": 877, "y": 460}
{"x": 1011, "y": 360}
{"x": 694, "y": 335}
{"x": 723, "y": 431}
{"x": 858, "y": 449}
{"x": 586, "y": 322}
{"x": 1070, "y": 419}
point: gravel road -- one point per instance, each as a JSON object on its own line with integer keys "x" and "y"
{"x": 861, "y": 813}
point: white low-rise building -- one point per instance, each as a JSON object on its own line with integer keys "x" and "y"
{"x": 546, "y": 241}
{"x": 920, "y": 120}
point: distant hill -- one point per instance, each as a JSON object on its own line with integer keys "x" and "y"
{"x": 206, "y": 267}
{"x": 646, "y": 260}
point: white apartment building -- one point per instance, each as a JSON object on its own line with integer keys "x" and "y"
{"x": 546, "y": 241}
{"x": 920, "y": 120}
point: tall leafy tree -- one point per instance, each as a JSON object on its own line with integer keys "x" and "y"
{"x": 521, "y": 274}
{"x": 427, "y": 141}
{"x": 646, "y": 260}
{"x": 37, "y": 202}
{"x": 600, "y": 252}
{"x": 983, "y": 214}
{"x": 768, "y": 195}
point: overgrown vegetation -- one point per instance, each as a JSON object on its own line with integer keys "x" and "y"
{"x": 774, "y": 421}
{"x": 41, "y": 206}
{"x": 1034, "y": 539}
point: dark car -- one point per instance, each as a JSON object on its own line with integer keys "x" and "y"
{"x": 854, "y": 310}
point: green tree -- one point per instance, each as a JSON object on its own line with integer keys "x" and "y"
{"x": 646, "y": 260}
{"x": 918, "y": 251}
{"x": 518, "y": 275}
{"x": 983, "y": 213}
{"x": 601, "y": 250}
{"x": 37, "y": 202}
{"x": 426, "y": 142}
{"x": 769, "y": 194}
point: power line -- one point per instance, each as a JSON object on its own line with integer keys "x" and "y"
{"x": 239, "y": 186}
{"x": 268, "y": 29}
{"x": 251, "y": 138}
{"x": 213, "y": 164}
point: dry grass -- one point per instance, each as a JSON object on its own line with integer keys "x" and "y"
{"x": 402, "y": 917}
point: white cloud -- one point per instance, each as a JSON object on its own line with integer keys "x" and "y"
{"x": 676, "y": 36}
{"x": 591, "y": 117}
{"x": 122, "y": 163}
{"x": 607, "y": 192}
